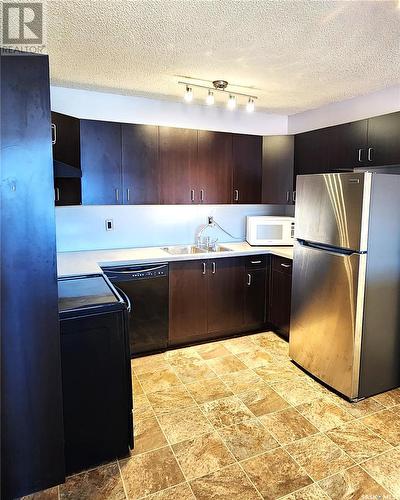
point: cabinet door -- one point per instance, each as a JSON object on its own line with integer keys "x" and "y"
{"x": 384, "y": 139}
{"x": 66, "y": 134}
{"x": 225, "y": 295}
{"x": 140, "y": 167}
{"x": 67, "y": 191}
{"x": 348, "y": 145}
{"x": 277, "y": 174}
{"x": 280, "y": 295}
{"x": 101, "y": 163}
{"x": 215, "y": 167}
{"x": 311, "y": 152}
{"x": 255, "y": 298}
{"x": 178, "y": 165}
{"x": 247, "y": 168}
{"x": 187, "y": 301}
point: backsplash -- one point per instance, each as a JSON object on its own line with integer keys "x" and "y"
{"x": 83, "y": 227}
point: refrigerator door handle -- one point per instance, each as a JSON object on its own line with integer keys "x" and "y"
{"x": 327, "y": 248}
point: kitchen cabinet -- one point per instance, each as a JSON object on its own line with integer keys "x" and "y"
{"x": 278, "y": 169}
{"x": 187, "y": 301}
{"x": 66, "y": 139}
{"x": 178, "y": 166}
{"x": 311, "y": 152}
{"x": 214, "y": 181}
{"x": 384, "y": 140}
{"x": 280, "y": 294}
{"x": 247, "y": 168}
{"x": 140, "y": 165}
{"x": 347, "y": 145}
{"x": 67, "y": 191}
{"x": 101, "y": 163}
{"x": 255, "y": 292}
{"x": 225, "y": 295}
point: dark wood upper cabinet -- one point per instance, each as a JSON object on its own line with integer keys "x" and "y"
{"x": 347, "y": 145}
{"x": 247, "y": 168}
{"x": 277, "y": 173}
{"x": 311, "y": 152}
{"x": 101, "y": 163}
{"x": 66, "y": 139}
{"x": 178, "y": 165}
{"x": 280, "y": 294}
{"x": 225, "y": 295}
{"x": 140, "y": 165}
{"x": 187, "y": 301}
{"x": 214, "y": 167}
{"x": 384, "y": 140}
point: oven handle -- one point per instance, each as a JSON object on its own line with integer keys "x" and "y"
{"x": 110, "y": 270}
{"x": 125, "y": 298}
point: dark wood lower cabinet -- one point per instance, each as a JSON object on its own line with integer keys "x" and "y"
{"x": 280, "y": 294}
{"x": 215, "y": 298}
{"x": 225, "y": 295}
{"x": 187, "y": 301}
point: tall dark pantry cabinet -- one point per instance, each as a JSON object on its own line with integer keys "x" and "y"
{"x": 32, "y": 450}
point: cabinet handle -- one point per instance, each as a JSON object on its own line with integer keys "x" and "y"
{"x": 53, "y": 133}
{"x": 360, "y": 155}
{"x": 204, "y": 268}
{"x": 370, "y": 150}
{"x": 214, "y": 268}
{"x": 57, "y": 194}
{"x": 192, "y": 195}
{"x": 285, "y": 265}
{"x": 294, "y": 196}
{"x": 201, "y": 194}
{"x": 128, "y": 194}
{"x": 236, "y": 195}
{"x": 117, "y": 194}
{"x": 248, "y": 279}
{"x": 255, "y": 261}
{"x": 288, "y": 196}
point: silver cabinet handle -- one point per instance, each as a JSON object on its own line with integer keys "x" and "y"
{"x": 236, "y": 195}
{"x": 255, "y": 261}
{"x": 53, "y": 133}
{"x": 214, "y": 268}
{"x": 192, "y": 195}
{"x": 128, "y": 194}
{"x": 360, "y": 155}
{"x": 204, "y": 268}
{"x": 57, "y": 194}
{"x": 294, "y": 196}
{"x": 285, "y": 265}
{"x": 288, "y": 196}
{"x": 370, "y": 150}
{"x": 248, "y": 279}
{"x": 201, "y": 194}
{"x": 117, "y": 194}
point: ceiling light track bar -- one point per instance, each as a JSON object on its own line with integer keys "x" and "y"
{"x": 213, "y": 89}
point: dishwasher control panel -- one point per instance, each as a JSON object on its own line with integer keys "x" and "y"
{"x": 132, "y": 273}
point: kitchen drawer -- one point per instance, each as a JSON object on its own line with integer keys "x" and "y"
{"x": 281, "y": 264}
{"x": 256, "y": 261}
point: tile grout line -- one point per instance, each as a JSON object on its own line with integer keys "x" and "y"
{"x": 122, "y": 479}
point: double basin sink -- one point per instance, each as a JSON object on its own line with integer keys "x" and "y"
{"x": 193, "y": 249}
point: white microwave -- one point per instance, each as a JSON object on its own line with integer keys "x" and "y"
{"x": 270, "y": 230}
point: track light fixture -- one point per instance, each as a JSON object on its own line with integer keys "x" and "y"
{"x": 219, "y": 86}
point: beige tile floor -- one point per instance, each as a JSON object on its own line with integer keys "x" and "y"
{"x": 236, "y": 419}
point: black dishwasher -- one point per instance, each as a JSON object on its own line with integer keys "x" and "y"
{"x": 96, "y": 372}
{"x": 147, "y": 287}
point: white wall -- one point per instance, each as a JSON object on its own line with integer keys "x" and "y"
{"x": 130, "y": 109}
{"x": 83, "y": 227}
{"x": 358, "y": 108}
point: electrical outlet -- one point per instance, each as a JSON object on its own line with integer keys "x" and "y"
{"x": 109, "y": 223}
{"x": 210, "y": 220}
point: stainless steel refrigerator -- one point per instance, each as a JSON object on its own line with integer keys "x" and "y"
{"x": 345, "y": 313}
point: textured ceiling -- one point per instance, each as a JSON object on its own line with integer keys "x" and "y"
{"x": 295, "y": 55}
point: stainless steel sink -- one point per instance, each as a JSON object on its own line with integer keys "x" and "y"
{"x": 219, "y": 248}
{"x": 183, "y": 250}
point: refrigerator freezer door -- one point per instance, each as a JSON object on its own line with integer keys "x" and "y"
{"x": 326, "y": 315}
{"x": 333, "y": 209}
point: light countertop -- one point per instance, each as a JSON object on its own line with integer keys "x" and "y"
{"x": 89, "y": 261}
